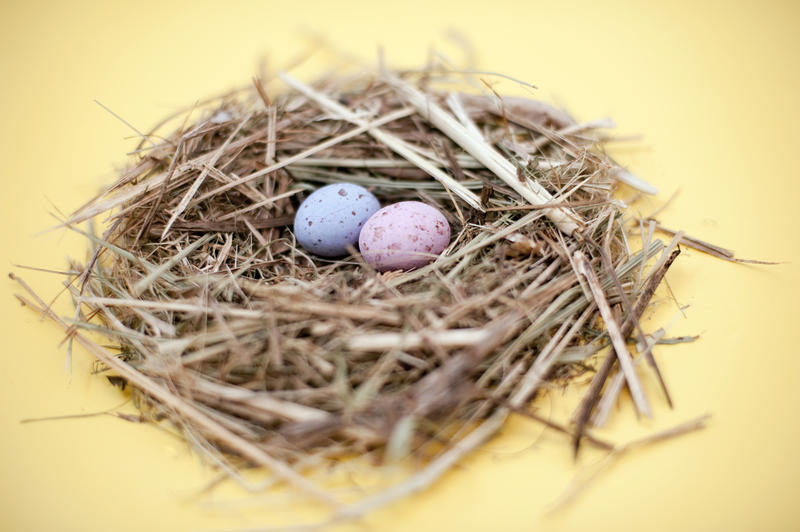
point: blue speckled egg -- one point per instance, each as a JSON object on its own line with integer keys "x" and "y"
{"x": 330, "y": 219}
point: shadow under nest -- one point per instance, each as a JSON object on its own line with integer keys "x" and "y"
{"x": 231, "y": 330}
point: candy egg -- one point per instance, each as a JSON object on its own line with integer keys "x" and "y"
{"x": 330, "y": 218}
{"x": 404, "y": 235}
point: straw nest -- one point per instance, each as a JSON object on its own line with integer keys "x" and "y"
{"x": 267, "y": 354}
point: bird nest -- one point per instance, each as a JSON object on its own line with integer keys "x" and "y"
{"x": 274, "y": 357}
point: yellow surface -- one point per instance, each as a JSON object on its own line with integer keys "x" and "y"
{"x": 712, "y": 87}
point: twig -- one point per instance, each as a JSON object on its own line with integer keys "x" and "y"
{"x": 580, "y": 484}
{"x": 589, "y": 401}
{"x": 614, "y": 332}
{"x": 705, "y": 247}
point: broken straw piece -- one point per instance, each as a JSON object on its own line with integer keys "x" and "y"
{"x": 566, "y": 220}
{"x": 529, "y": 113}
{"x": 396, "y": 144}
{"x": 617, "y": 339}
{"x": 624, "y": 176}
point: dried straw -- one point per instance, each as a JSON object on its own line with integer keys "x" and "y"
{"x": 258, "y": 350}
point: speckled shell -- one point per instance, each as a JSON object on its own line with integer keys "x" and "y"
{"x": 404, "y": 236}
{"x": 331, "y": 218}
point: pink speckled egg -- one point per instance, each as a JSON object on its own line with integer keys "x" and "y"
{"x": 404, "y": 236}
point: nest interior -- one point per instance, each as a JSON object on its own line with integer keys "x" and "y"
{"x": 227, "y": 327}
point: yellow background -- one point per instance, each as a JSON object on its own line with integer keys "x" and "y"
{"x": 712, "y": 87}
